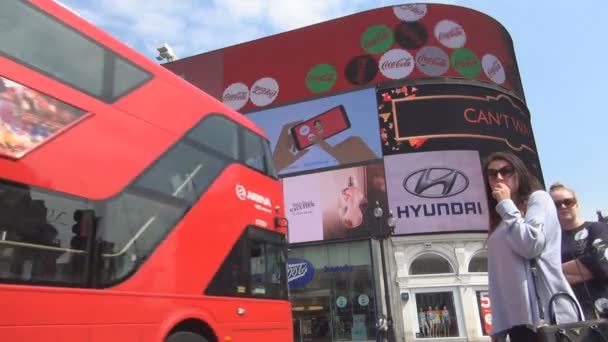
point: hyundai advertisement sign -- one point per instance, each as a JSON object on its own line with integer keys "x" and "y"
{"x": 436, "y": 191}
{"x": 299, "y": 272}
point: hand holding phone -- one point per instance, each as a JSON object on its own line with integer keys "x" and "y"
{"x": 320, "y": 127}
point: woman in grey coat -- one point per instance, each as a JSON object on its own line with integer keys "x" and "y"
{"x": 523, "y": 226}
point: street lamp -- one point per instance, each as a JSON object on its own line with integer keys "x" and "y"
{"x": 383, "y": 232}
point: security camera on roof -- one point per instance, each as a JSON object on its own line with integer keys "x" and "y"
{"x": 165, "y": 52}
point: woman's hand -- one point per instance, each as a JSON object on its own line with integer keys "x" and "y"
{"x": 500, "y": 192}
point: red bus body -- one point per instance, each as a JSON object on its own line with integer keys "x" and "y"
{"x": 96, "y": 158}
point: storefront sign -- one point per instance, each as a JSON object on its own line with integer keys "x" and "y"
{"x": 343, "y": 268}
{"x": 485, "y": 311}
{"x": 299, "y": 272}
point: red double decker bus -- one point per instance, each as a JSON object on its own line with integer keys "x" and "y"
{"x": 133, "y": 206}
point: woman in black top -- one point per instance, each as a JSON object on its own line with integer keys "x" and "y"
{"x": 584, "y": 251}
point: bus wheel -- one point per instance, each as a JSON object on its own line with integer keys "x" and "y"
{"x": 185, "y": 336}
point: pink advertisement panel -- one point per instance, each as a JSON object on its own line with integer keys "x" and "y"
{"x": 335, "y": 204}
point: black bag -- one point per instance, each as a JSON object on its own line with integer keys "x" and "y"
{"x": 581, "y": 331}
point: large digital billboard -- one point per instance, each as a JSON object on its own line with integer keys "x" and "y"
{"x": 326, "y": 132}
{"x": 403, "y": 42}
{"x": 454, "y": 116}
{"x": 438, "y": 191}
{"x": 334, "y": 204}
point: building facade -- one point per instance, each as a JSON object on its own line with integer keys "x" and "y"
{"x": 392, "y": 108}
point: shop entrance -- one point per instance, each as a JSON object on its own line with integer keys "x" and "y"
{"x": 337, "y": 302}
{"x": 312, "y": 317}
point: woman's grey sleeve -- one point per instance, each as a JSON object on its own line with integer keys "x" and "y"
{"x": 526, "y": 235}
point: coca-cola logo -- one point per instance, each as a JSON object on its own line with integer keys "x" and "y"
{"x": 258, "y": 90}
{"x": 264, "y": 91}
{"x": 466, "y": 62}
{"x": 432, "y": 61}
{"x": 361, "y": 70}
{"x": 396, "y": 64}
{"x": 493, "y": 68}
{"x": 450, "y": 34}
{"x": 410, "y": 12}
{"x": 299, "y": 272}
{"x": 437, "y": 61}
{"x": 377, "y": 39}
{"x": 241, "y": 95}
{"x": 411, "y": 35}
{"x": 321, "y": 77}
{"x": 236, "y": 95}
{"x": 453, "y": 33}
{"x": 403, "y": 62}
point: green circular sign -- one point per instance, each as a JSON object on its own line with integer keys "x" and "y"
{"x": 321, "y": 77}
{"x": 377, "y": 39}
{"x": 466, "y": 62}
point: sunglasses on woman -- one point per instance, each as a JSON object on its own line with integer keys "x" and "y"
{"x": 565, "y": 203}
{"x": 505, "y": 172}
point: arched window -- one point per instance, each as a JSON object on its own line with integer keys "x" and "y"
{"x": 479, "y": 262}
{"x": 430, "y": 263}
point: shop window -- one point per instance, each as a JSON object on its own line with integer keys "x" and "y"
{"x": 479, "y": 262}
{"x": 430, "y": 263}
{"x": 337, "y": 303}
{"x": 436, "y": 315}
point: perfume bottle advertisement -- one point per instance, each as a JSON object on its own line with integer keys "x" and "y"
{"x": 335, "y": 204}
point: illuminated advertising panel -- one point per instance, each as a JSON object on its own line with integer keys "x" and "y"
{"x": 334, "y": 204}
{"x": 403, "y": 42}
{"x": 321, "y": 133}
{"x": 438, "y": 191}
{"x": 29, "y": 118}
{"x": 449, "y": 116}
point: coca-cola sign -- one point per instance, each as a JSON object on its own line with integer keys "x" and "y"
{"x": 450, "y": 34}
{"x": 236, "y": 95}
{"x": 299, "y": 272}
{"x": 410, "y": 12}
{"x": 264, "y": 91}
{"x": 493, "y": 68}
{"x": 432, "y": 61}
{"x": 396, "y": 64}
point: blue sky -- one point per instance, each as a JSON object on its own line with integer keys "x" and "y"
{"x": 560, "y": 47}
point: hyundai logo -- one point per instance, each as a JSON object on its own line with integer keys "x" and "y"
{"x": 436, "y": 182}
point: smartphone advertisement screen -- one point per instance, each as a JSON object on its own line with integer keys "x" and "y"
{"x": 321, "y": 133}
{"x": 323, "y": 126}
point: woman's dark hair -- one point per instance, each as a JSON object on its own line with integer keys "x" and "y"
{"x": 527, "y": 182}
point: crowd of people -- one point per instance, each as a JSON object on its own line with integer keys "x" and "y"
{"x": 539, "y": 246}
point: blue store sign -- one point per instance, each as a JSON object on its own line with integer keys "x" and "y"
{"x": 299, "y": 272}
